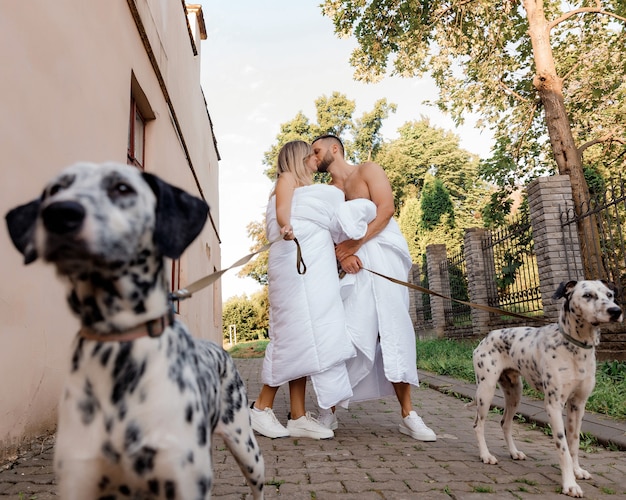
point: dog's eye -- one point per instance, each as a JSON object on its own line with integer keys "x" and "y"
{"x": 120, "y": 190}
{"x": 54, "y": 189}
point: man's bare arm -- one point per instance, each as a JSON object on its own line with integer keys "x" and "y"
{"x": 380, "y": 193}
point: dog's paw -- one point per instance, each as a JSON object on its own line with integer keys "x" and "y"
{"x": 518, "y": 455}
{"x": 573, "y": 491}
{"x": 489, "y": 459}
{"x": 581, "y": 473}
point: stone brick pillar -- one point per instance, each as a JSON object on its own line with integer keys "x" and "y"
{"x": 435, "y": 255}
{"x": 547, "y": 198}
{"x": 479, "y": 275}
{"x": 415, "y": 298}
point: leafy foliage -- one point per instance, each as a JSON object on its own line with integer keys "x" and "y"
{"x": 435, "y": 203}
{"x": 481, "y": 57}
{"x": 249, "y": 316}
{"x": 421, "y": 152}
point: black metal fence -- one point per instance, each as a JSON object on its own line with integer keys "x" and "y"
{"x": 504, "y": 267}
{"x": 509, "y": 253}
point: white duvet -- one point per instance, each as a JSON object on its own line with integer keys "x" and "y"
{"x": 376, "y": 309}
{"x": 307, "y": 321}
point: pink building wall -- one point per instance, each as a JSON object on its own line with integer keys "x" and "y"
{"x": 65, "y": 94}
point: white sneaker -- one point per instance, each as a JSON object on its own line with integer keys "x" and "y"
{"x": 413, "y": 425}
{"x": 328, "y": 419}
{"x": 265, "y": 422}
{"x": 307, "y": 426}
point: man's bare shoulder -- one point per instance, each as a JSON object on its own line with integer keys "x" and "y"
{"x": 370, "y": 170}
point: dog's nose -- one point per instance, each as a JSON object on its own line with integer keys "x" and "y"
{"x": 614, "y": 313}
{"x": 63, "y": 217}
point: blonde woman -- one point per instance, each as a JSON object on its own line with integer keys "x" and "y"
{"x": 307, "y": 324}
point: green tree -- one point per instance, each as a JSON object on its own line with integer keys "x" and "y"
{"x": 247, "y": 315}
{"x": 435, "y": 204}
{"x": 334, "y": 115}
{"x": 423, "y": 149}
{"x": 256, "y": 268}
{"x": 548, "y": 81}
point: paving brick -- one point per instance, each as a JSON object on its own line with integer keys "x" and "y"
{"x": 370, "y": 460}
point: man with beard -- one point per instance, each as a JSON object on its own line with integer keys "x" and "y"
{"x": 377, "y": 315}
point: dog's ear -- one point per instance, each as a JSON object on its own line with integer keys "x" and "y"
{"x": 21, "y": 224}
{"x": 610, "y": 285}
{"x": 179, "y": 217}
{"x": 614, "y": 288}
{"x": 564, "y": 289}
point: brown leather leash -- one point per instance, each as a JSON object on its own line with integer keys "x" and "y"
{"x": 470, "y": 304}
{"x": 185, "y": 293}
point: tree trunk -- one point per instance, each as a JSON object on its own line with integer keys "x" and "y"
{"x": 568, "y": 159}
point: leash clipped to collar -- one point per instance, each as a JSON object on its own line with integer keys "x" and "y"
{"x": 185, "y": 293}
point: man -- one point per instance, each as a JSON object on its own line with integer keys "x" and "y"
{"x": 377, "y": 314}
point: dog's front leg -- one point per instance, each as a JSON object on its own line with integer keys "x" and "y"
{"x": 77, "y": 479}
{"x": 554, "y": 410}
{"x": 575, "y": 413}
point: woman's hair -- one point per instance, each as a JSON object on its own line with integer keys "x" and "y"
{"x": 291, "y": 159}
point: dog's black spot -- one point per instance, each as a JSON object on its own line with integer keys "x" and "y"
{"x": 90, "y": 312}
{"x": 204, "y": 485}
{"x": 144, "y": 460}
{"x": 88, "y": 404}
{"x": 170, "y": 490}
{"x": 124, "y": 490}
{"x": 132, "y": 436}
{"x": 202, "y": 433}
{"x": 77, "y": 355}
{"x": 109, "y": 423}
{"x": 106, "y": 354}
{"x": 153, "y": 486}
{"x": 127, "y": 372}
{"x": 110, "y": 453}
{"x": 188, "y": 413}
{"x": 104, "y": 483}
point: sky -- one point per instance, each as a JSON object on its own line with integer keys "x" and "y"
{"x": 262, "y": 63}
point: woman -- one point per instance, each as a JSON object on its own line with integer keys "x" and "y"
{"x": 307, "y": 324}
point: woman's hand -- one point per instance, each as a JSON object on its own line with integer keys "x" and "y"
{"x": 351, "y": 264}
{"x": 287, "y": 232}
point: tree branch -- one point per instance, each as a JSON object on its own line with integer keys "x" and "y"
{"x": 511, "y": 91}
{"x": 606, "y": 137}
{"x": 583, "y": 10}
{"x": 526, "y": 128}
{"x": 572, "y": 69}
{"x": 444, "y": 11}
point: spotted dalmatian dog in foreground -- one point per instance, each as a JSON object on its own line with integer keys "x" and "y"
{"x": 558, "y": 360}
{"x": 143, "y": 397}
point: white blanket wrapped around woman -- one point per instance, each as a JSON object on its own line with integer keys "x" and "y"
{"x": 307, "y": 321}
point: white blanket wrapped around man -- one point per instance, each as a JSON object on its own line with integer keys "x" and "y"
{"x": 377, "y": 310}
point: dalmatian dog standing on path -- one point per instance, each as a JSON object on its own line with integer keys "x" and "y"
{"x": 558, "y": 360}
{"x": 143, "y": 397}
